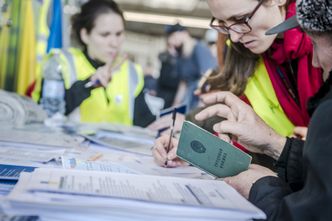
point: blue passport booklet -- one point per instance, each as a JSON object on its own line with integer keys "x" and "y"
{"x": 210, "y": 153}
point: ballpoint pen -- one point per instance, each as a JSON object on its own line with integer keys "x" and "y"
{"x": 171, "y": 135}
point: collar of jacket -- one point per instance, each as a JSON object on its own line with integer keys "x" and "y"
{"x": 95, "y": 63}
{"x": 294, "y": 44}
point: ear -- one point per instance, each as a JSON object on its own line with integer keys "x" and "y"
{"x": 280, "y": 3}
{"x": 84, "y": 36}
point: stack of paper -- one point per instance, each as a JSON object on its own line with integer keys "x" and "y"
{"x": 122, "y": 141}
{"x": 19, "y": 137}
{"x": 78, "y": 164}
{"x": 9, "y": 153}
{"x": 99, "y": 158}
{"x": 90, "y": 128}
{"x": 23, "y": 150}
{"x": 78, "y": 195}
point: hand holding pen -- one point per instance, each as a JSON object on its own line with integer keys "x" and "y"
{"x": 164, "y": 151}
{"x": 103, "y": 74}
{"x": 160, "y": 154}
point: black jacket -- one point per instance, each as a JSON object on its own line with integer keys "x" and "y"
{"x": 303, "y": 190}
{"x": 169, "y": 78}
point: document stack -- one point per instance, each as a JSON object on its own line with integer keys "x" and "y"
{"x": 59, "y": 194}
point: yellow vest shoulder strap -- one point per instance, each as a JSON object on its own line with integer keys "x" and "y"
{"x": 262, "y": 97}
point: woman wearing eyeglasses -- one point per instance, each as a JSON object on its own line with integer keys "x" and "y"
{"x": 273, "y": 73}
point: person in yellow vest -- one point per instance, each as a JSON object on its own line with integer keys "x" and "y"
{"x": 102, "y": 84}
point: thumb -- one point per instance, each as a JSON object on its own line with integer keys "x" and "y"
{"x": 109, "y": 65}
{"x": 172, "y": 154}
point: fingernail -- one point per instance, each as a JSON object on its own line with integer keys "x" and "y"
{"x": 215, "y": 128}
{"x": 227, "y": 181}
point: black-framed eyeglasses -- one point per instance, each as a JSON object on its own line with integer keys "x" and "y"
{"x": 240, "y": 27}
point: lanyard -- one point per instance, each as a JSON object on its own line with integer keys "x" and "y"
{"x": 290, "y": 88}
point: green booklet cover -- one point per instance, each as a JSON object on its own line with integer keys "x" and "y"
{"x": 210, "y": 153}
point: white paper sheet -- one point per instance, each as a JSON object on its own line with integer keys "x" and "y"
{"x": 12, "y": 153}
{"x": 73, "y": 163}
{"x": 38, "y": 138}
{"x": 123, "y": 142}
{"x": 138, "y": 162}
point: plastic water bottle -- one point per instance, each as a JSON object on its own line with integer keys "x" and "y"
{"x": 53, "y": 92}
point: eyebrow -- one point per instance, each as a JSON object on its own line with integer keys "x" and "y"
{"x": 234, "y": 17}
{"x": 107, "y": 31}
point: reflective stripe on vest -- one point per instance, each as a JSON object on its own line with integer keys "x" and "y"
{"x": 133, "y": 82}
{"x": 66, "y": 60}
{"x": 72, "y": 69}
{"x": 262, "y": 97}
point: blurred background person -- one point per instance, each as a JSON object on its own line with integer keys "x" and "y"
{"x": 101, "y": 84}
{"x": 194, "y": 59}
{"x": 150, "y": 82}
{"x": 169, "y": 76}
{"x": 211, "y": 38}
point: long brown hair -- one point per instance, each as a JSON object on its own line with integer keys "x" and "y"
{"x": 239, "y": 64}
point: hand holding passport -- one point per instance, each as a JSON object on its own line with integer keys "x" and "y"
{"x": 209, "y": 153}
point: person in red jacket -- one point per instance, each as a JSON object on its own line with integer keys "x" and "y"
{"x": 273, "y": 74}
{"x": 302, "y": 188}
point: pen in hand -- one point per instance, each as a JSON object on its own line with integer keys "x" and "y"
{"x": 115, "y": 65}
{"x": 170, "y": 136}
{"x": 92, "y": 84}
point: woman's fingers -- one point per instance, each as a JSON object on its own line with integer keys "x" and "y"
{"x": 158, "y": 158}
{"x": 162, "y": 154}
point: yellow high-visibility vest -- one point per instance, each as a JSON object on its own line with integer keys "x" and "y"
{"x": 262, "y": 97}
{"x": 113, "y": 104}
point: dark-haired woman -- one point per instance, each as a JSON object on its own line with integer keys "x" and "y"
{"x": 101, "y": 84}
